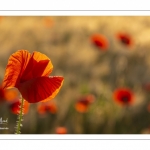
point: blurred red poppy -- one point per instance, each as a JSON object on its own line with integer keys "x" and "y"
{"x": 43, "y": 108}
{"x": 15, "y": 107}
{"x": 123, "y": 96}
{"x": 83, "y": 103}
{"x": 48, "y": 22}
{"x": 125, "y": 39}
{"x": 11, "y": 94}
{"x": 30, "y": 74}
{"x": 100, "y": 41}
{"x": 8, "y": 94}
{"x": 61, "y": 130}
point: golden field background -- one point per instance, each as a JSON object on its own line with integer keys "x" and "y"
{"x": 86, "y": 70}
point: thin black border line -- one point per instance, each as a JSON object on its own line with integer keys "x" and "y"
{"x": 74, "y": 10}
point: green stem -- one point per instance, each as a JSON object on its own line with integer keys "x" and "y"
{"x": 20, "y": 116}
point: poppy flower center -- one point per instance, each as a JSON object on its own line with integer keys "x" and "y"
{"x": 125, "y": 99}
{"x": 125, "y": 40}
{"x": 98, "y": 43}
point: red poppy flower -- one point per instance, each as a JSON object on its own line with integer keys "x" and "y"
{"x": 100, "y": 41}
{"x": 83, "y": 103}
{"x": 123, "y": 96}
{"x": 14, "y": 107}
{"x": 61, "y": 130}
{"x": 30, "y": 74}
{"x": 47, "y": 107}
{"x": 125, "y": 39}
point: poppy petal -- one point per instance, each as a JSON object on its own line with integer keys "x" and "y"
{"x": 47, "y": 69}
{"x": 16, "y": 65}
{"x": 39, "y": 65}
{"x": 41, "y": 88}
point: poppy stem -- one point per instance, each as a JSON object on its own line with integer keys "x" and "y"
{"x": 20, "y": 116}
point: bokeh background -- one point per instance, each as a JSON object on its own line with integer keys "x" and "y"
{"x": 87, "y": 70}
